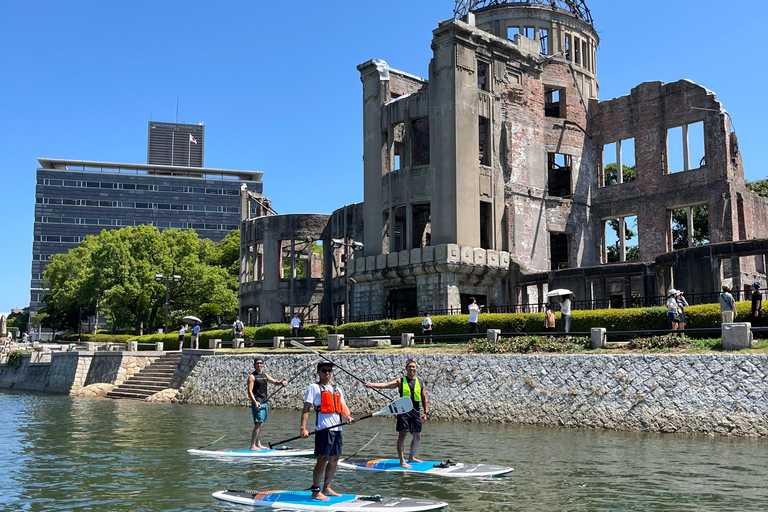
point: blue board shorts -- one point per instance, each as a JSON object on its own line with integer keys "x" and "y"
{"x": 409, "y": 422}
{"x": 328, "y": 443}
{"x": 260, "y": 414}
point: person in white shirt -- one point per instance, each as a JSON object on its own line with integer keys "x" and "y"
{"x": 295, "y": 325}
{"x": 474, "y": 310}
{"x": 426, "y": 325}
{"x": 565, "y": 312}
{"x": 329, "y": 405}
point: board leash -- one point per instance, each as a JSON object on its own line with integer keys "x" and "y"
{"x": 363, "y": 448}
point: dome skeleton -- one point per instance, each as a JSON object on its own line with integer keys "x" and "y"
{"x": 577, "y": 7}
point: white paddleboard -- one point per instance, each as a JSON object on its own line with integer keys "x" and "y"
{"x": 302, "y": 500}
{"x": 253, "y": 454}
{"x": 449, "y": 468}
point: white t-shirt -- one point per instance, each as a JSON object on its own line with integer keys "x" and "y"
{"x": 426, "y": 323}
{"x": 295, "y": 322}
{"x": 313, "y": 397}
{"x": 565, "y": 307}
{"x": 474, "y": 310}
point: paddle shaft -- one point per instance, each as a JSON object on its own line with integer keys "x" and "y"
{"x": 289, "y": 381}
{"x": 322, "y": 430}
{"x": 337, "y": 365}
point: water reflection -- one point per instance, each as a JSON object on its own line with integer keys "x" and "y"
{"x": 102, "y": 455}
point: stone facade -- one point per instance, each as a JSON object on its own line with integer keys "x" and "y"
{"x": 696, "y": 394}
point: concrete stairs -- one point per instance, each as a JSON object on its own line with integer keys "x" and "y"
{"x": 148, "y": 381}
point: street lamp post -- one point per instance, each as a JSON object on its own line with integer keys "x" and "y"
{"x": 348, "y": 243}
{"x": 175, "y": 278}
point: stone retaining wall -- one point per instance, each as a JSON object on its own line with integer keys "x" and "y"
{"x": 712, "y": 394}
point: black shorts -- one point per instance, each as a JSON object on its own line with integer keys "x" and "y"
{"x": 409, "y": 422}
{"x": 328, "y": 443}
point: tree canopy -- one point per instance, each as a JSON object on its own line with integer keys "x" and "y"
{"x": 113, "y": 274}
{"x": 760, "y": 187}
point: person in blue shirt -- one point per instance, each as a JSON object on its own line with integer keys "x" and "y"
{"x": 195, "y": 335}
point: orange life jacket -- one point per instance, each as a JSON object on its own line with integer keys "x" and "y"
{"x": 330, "y": 402}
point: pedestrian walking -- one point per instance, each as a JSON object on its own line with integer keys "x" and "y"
{"x": 426, "y": 325}
{"x": 238, "y": 328}
{"x": 474, "y": 311}
{"x": 409, "y": 423}
{"x": 295, "y": 325}
{"x": 681, "y": 305}
{"x": 565, "y": 312}
{"x": 549, "y": 319}
{"x": 756, "y": 313}
{"x": 727, "y": 306}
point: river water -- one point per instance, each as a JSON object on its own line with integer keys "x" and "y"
{"x": 84, "y": 454}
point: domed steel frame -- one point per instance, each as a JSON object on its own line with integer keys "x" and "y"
{"x": 577, "y": 7}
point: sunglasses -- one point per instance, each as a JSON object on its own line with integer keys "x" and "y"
{"x": 326, "y": 370}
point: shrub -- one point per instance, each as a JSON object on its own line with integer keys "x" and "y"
{"x": 97, "y": 338}
{"x": 528, "y": 344}
{"x": 656, "y": 342}
{"x": 15, "y": 358}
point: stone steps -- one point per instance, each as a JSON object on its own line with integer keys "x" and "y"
{"x": 153, "y": 378}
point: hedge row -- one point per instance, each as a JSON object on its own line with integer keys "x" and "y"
{"x": 97, "y": 338}
{"x": 266, "y": 332}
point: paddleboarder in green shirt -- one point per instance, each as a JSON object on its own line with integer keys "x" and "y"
{"x": 410, "y": 422}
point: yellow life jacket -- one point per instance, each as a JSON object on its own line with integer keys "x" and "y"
{"x": 406, "y": 389}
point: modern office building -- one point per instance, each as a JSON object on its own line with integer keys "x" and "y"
{"x": 176, "y": 144}
{"x": 76, "y": 198}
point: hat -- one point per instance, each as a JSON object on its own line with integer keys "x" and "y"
{"x": 756, "y": 285}
{"x": 672, "y": 291}
{"x": 323, "y": 363}
{"x": 257, "y": 359}
{"x": 678, "y": 292}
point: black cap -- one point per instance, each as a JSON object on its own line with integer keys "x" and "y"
{"x": 322, "y": 364}
{"x": 258, "y": 358}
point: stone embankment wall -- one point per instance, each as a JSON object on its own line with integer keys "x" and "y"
{"x": 68, "y": 372}
{"x": 712, "y": 394}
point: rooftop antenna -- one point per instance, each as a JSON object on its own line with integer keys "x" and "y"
{"x": 177, "y": 110}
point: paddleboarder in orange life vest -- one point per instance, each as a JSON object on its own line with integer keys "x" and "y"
{"x": 329, "y": 404}
{"x": 410, "y": 422}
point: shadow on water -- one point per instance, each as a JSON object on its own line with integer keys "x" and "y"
{"x": 102, "y": 455}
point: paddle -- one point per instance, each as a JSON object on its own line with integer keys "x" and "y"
{"x": 363, "y": 448}
{"x": 299, "y": 345}
{"x": 400, "y": 406}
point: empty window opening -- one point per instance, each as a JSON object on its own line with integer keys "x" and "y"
{"x": 615, "y": 154}
{"x": 559, "y": 249}
{"x": 584, "y": 54}
{"x": 258, "y": 263}
{"x": 486, "y": 225}
{"x": 511, "y": 32}
{"x": 420, "y": 141}
{"x": 317, "y": 265}
{"x": 482, "y": 76}
{"x": 577, "y": 52}
{"x": 567, "y": 48}
{"x": 399, "y": 238}
{"x": 690, "y": 226}
{"x": 559, "y": 174}
{"x": 554, "y": 102}
{"x": 399, "y": 149}
{"x": 397, "y": 159}
{"x": 529, "y": 32}
{"x": 422, "y": 225}
{"x": 484, "y": 139}
{"x": 621, "y": 239}
{"x": 685, "y": 147}
{"x": 294, "y": 259}
{"x": 544, "y": 41}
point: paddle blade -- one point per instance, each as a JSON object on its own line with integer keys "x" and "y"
{"x": 400, "y": 406}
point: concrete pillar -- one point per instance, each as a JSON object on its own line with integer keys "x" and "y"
{"x": 689, "y": 224}
{"x": 89, "y": 346}
{"x": 622, "y": 239}
{"x": 132, "y": 346}
{"x": 278, "y": 342}
{"x": 214, "y": 343}
{"x": 238, "y": 343}
{"x": 335, "y": 341}
{"x": 159, "y": 346}
{"x": 493, "y": 335}
{"x": 619, "y": 166}
{"x": 598, "y": 337}
{"x": 406, "y": 340}
{"x": 736, "y": 276}
{"x": 737, "y": 336}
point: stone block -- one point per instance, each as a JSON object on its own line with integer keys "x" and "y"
{"x": 492, "y": 258}
{"x": 214, "y": 344}
{"x": 479, "y": 256}
{"x": 737, "y": 335}
{"x": 392, "y": 260}
{"x": 159, "y": 346}
{"x": 416, "y": 256}
{"x": 278, "y": 342}
{"x": 132, "y": 346}
{"x": 503, "y": 259}
{"x": 403, "y": 258}
{"x": 406, "y": 339}
{"x": 467, "y": 255}
{"x": 370, "y": 263}
{"x": 493, "y": 335}
{"x": 90, "y": 346}
{"x": 370, "y": 341}
{"x": 359, "y": 264}
{"x": 238, "y": 343}
{"x": 598, "y": 337}
{"x": 447, "y": 252}
{"x": 335, "y": 341}
{"x": 381, "y": 261}
{"x": 428, "y": 254}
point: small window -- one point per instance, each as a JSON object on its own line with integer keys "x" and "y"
{"x": 685, "y": 148}
{"x": 482, "y": 76}
{"x": 486, "y": 225}
{"x": 615, "y": 154}
{"x": 554, "y": 102}
{"x": 511, "y": 32}
{"x": 613, "y": 249}
{"x": 558, "y": 248}
{"x": 559, "y": 174}
{"x": 681, "y": 237}
{"x": 544, "y": 41}
{"x": 420, "y": 141}
{"x": 529, "y": 32}
{"x": 484, "y": 140}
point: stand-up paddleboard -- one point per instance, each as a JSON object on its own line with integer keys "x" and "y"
{"x": 449, "y": 468}
{"x": 254, "y": 454}
{"x": 302, "y": 500}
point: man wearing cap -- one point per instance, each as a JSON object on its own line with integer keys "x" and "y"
{"x": 755, "y": 316}
{"x": 410, "y": 422}
{"x": 257, "y": 393}
{"x": 329, "y": 405}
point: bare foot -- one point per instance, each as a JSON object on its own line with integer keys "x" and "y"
{"x": 320, "y": 496}
{"x": 256, "y": 448}
{"x": 404, "y": 464}
{"x": 414, "y": 459}
{"x": 261, "y": 447}
{"x": 331, "y": 492}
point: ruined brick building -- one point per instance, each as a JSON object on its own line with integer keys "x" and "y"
{"x": 489, "y": 179}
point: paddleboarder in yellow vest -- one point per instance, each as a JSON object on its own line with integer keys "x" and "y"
{"x": 410, "y": 422}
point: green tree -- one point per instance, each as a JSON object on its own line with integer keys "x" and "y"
{"x": 760, "y": 187}
{"x": 19, "y": 320}
{"x": 700, "y": 227}
{"x": 611, "y": 177}
{"x": 633, "y": 252}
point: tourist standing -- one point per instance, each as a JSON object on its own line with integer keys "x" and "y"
{"x": 549, "y": 319}
{"x": 257, "y": 394}
{"x": 238, "y": 328}
{"x": 756, "y": 314}
{"x": 426, "y": 325}
{"x": 681, "y": 305}
{"x": 565, "y": 312}
{"x": 672, "y": 308}
{"x": 295, "y": 325}
{"x": 727, "y": 306}
{"x": 182, "y": 332}
{"x": 409, "y": 423}
{"x": 474, "y": 311}
{"x": 329, "y": 405}
{"x": 195, "y": 336}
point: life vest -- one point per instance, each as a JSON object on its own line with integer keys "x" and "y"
{"x": 406, "y": 389}
{"x": 330, "y": 403}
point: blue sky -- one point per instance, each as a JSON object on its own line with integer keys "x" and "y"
{"x": 277, "y": 87}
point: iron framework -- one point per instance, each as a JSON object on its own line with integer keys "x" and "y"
{"x": 577, "y": 7}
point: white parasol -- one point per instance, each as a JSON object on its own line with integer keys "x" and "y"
{"x": 559, "y": 292}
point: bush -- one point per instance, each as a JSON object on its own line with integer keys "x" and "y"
{"x": 97, "y": 338}
{"x": 528, "y": 344}
{"x": 656, "y": 342}
{"x": 15, "y": 358}
{"x": 266, "y": 332}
